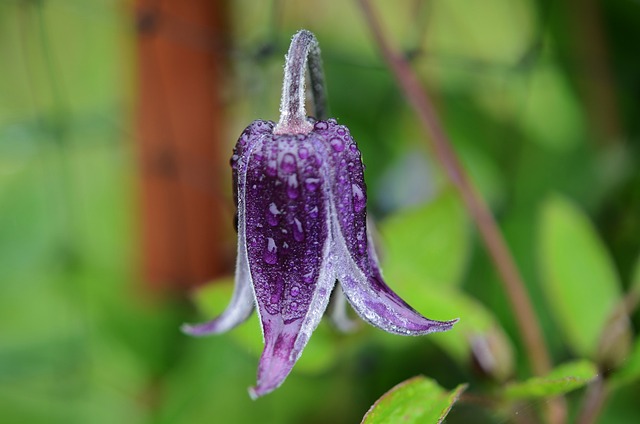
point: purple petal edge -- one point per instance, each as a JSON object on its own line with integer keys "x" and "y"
{"x": 243, "y": 299}
{"x": 374, "y": 301}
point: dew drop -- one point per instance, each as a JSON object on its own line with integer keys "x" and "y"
{"x": 321, "y": 125}
{"x": 303, "y": 152}
{"x": 298, "y": 231}
{"x": 341, "y": 131}
{"x": 234, "y": 161}
{"x": 271, "y": 168}
{"x": 311, "y": 184}
{"x": 293, "y": 306}
{"x": 295, "y": 291}
{"x": 337, "y": 144}
{"x": 359, "y": 201}
{"x": 354, "y": 148}
{"x": 292, "y": 187}
{"x": 313, "y": 213}
{"x": 277, "y": 288}
{"x": 272, "y": 214}
{"x": 308, "y": 278}
{"x": 270, "y": 254}
{"x": 332, "y": 121}
{"x": 288, "y": 163}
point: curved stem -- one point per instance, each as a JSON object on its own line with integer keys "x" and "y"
{"x": 304, "y": 50}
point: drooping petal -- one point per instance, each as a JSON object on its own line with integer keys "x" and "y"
{"x": 287, "y": 231}
{"x": 242, "y": 301}
{"x": 357, "y": 269}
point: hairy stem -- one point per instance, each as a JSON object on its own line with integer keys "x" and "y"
{"x": 521, "y": 306}
{"x": 304, "y": 50}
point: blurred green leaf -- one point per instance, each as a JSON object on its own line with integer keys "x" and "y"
{"x": 635, "y": 277}
{"x": 428, "y": 244}
{"x": 577, "y": 274}
{"x": 213, "y": 298}
{"x": 551, "y": 100}
{"x": 417, "y": 400}
{"x": 630, "y": 371}
{"x": 563, "y": 379}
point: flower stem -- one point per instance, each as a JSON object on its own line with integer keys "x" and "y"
{"x": 532, "y": 339}
{"x": 304, "y": 50}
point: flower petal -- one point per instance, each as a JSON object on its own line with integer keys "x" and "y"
{"x": 358, "y": 270}
{"x": 240, "y": 307}
{"x": 242, "y": 300}
{"x": 287, "y": 230}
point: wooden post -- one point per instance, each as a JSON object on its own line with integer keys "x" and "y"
{"x": 185, "y": 219}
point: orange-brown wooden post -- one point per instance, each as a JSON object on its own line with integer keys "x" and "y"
{"x": 185, "y": 222}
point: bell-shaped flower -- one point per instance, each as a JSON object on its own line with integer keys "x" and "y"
{"x": 302, "y": 226}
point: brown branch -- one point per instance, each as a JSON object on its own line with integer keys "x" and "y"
{"x": 593, "y": 402}
{"x": 526, "y": 319}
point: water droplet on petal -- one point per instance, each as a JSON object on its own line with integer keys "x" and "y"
{"x": 272, "y": 214}
{"x": 298, "y": 231}
{"x": 303, "y": 152}
{"x": 293, "y": 306}
{"x": 288, "y": 163}
{"x": 308, "y": 278}
{"x": 311, "y": 184}
{"x": 341, "y": 131}
{"x": 313, "y": 212}
{"x": 359, "y": 201}
{"x": 337, "y": 144}
{"x": 292, "y": 187}
{"x": 353, "y": 148}
{"x": 295, "y": 291}
{"x": 321, "y": 125}
{"x": 270, "y": 254}
{"x": 234, "y": 161}
{"x": 271, "y": 168}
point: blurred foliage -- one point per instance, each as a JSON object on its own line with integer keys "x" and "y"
{"x": 418, "y": 400}
{"x": 561, "y": 380}
{"x": 540, "y": 101}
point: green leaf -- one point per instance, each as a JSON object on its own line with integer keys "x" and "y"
{"x": 429, "y": 243}
{"x": 635, "y": 277}
{"x": 563, "y": 379}
{"x": 213, "y": 298}
{"x": 577, "y": 274}
{"x": 417, "y": 400}
{"x": 630, "y": 371}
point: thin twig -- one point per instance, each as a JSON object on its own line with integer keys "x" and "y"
{"x": 526, "y": 319}
{"x": 593, "y": 402}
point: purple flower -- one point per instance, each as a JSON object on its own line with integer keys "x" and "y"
{"x": 302, "y": 225}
